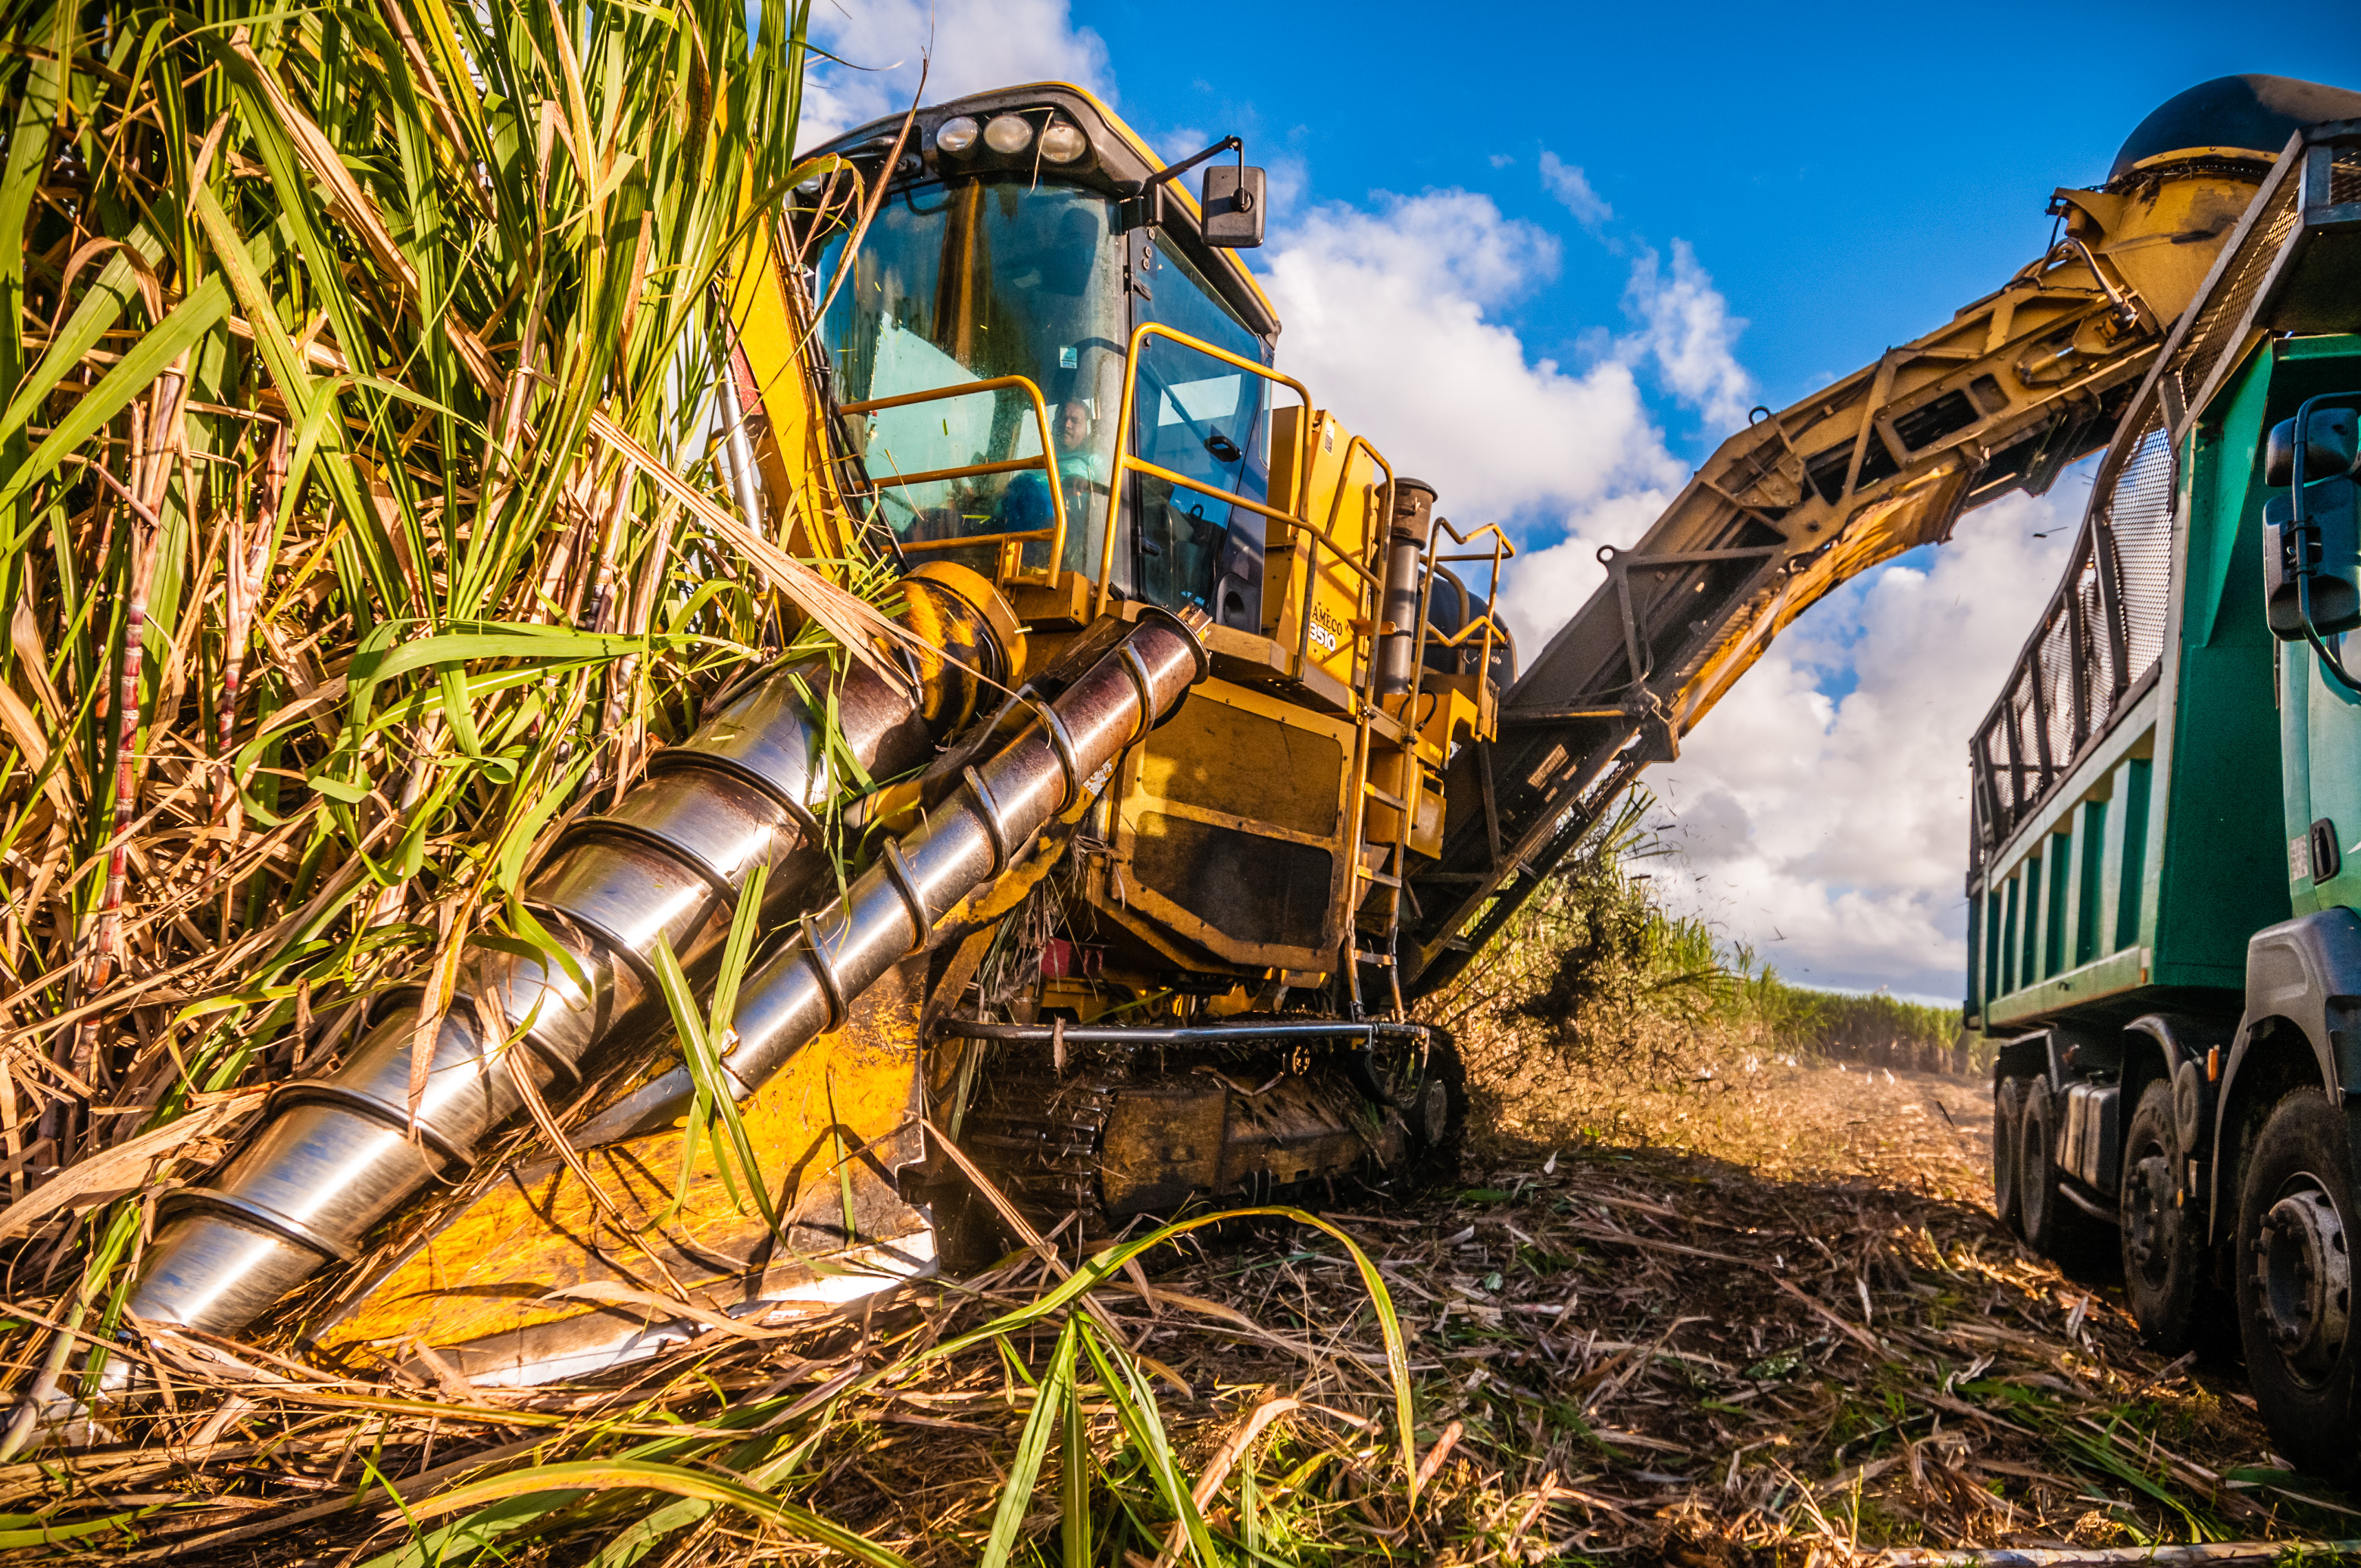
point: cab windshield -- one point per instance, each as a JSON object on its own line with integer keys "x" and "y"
{"x": 966, "y": 282}
{"x": 991, "y": 276}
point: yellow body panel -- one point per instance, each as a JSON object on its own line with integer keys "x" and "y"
{"x": 846, "y": 1103}
{"x": 1229, "y": 829}
{"x": 790, "y": 439}
{"x": 2162, "y": 235}
{"x": 1343, "y": 494}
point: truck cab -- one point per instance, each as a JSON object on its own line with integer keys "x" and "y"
{"x": 2163, "y": 945}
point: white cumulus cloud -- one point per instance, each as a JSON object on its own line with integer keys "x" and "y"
{"x": 1392, "y": 315}
{"x": 1571, "y": 187}
{"x": 972, "y": 47}
{"x": 1686, "y": 330}
{"x": 1830, "y": 832}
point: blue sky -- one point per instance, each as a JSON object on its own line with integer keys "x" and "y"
{"x": 1850, "y": 175}
{"x": 1547, "y": 257}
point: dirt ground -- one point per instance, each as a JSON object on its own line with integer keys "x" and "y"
{"x": 1764, "y": 1315}
{"x": 1768, "y": 1310}
{"x": 1780, "y": 1118}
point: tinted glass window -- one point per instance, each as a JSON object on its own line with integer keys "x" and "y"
{"x": 966, "y": 282}
{"x": 1207, "y": 420}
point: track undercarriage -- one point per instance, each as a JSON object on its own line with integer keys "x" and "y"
{"x": 1107, "y": 1123}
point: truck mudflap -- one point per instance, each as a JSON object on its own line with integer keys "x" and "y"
{"x": 2303, "y": 975}
{"x": 2089, "y": 1143}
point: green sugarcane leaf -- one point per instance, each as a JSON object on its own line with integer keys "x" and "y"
{"x": 94, "y": 315}
{"x": 1075, "y": 1472}
{"x": 1135, "y": 1407}
{"x": 337, "y": 789}
{"x": 204, "y": 308}
{"x": 700, "y": 1054}
{"x": 1103, "y": 1265}
{"x": 745, "y": 925}
{"x": 1016, "y": 1493}
{"x": 458, "y": 1541}
{"x": 609, "y": 1474}
{"x": 643, "y": 1535}
{"x": 313, "y": 405}
{"x": 53, "y": 1534}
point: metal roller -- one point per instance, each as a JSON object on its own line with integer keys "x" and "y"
{"x": 966, "y": 841}
{"x": 340, "y": 1153}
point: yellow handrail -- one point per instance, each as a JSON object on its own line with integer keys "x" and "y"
{"x": 1127, "y": 463}
{"x": 1142, "y": 465}
{"x": 1503, "y": 548}
{"x": 1337, "y": 501}
{"x": 1047, "y": 462}
{"x": 1500, "y": 551}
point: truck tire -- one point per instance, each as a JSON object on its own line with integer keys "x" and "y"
{"x": 2295, "y": 1284}
{"x": 2008, "y": 1111}
{"x": 2051, "y": 1225}
{"x": 2162, "y": 1255}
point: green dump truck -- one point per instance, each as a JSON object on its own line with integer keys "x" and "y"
{"x": 2166, "y": 850}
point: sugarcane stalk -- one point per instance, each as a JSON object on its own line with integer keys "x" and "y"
{"x": 153, "y": 461}
{"x": 244, "y": 559}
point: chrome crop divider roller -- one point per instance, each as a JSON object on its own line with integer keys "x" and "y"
{"x": 749, "y": 788}
{"x": 966, "y": 841}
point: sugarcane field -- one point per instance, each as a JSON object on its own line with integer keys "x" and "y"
{"x": 1026, "y": 781}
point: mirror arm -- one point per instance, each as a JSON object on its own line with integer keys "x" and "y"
{"x": 1143, "y": 207}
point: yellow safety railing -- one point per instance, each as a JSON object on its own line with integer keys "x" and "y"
{"x": 1502, "y": 549}
{"x": 1010, "y": 542}
{"x": 1128, "y": 462}
{"x": 1359, "y": 564}
{"x": 1369, "y": 569}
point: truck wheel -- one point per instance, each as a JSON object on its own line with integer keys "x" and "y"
{"x": 2008, "y": 1110}
{"x": 2295, "y": 1284}
{"x": 2036, "y": 1182}
{"x": 2161, "y": 1259}
{"x": 2050, "y": 1225}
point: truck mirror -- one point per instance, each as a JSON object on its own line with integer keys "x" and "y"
{"x": 1232, "y": 205}
{"x": 2312, "y": 535}
{"x": 2327, "y": 549}
{"x": 2330, "y": 452}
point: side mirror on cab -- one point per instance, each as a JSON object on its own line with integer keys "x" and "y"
{"x": 2312, "y": 535}
{"x": 1232, "y": 200}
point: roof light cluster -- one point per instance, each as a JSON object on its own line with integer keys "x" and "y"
{"x": 1059, "y": 141}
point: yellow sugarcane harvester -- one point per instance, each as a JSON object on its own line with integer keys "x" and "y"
{"x": 1204, "y": 763}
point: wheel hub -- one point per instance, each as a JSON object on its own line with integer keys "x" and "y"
{"x": 2304, "y": 1276}
{"x": 1435, "y": 1112}
{"x": 2147, "y": 1216}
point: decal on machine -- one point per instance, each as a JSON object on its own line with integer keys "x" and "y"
{"x": 1327, "y": 632}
